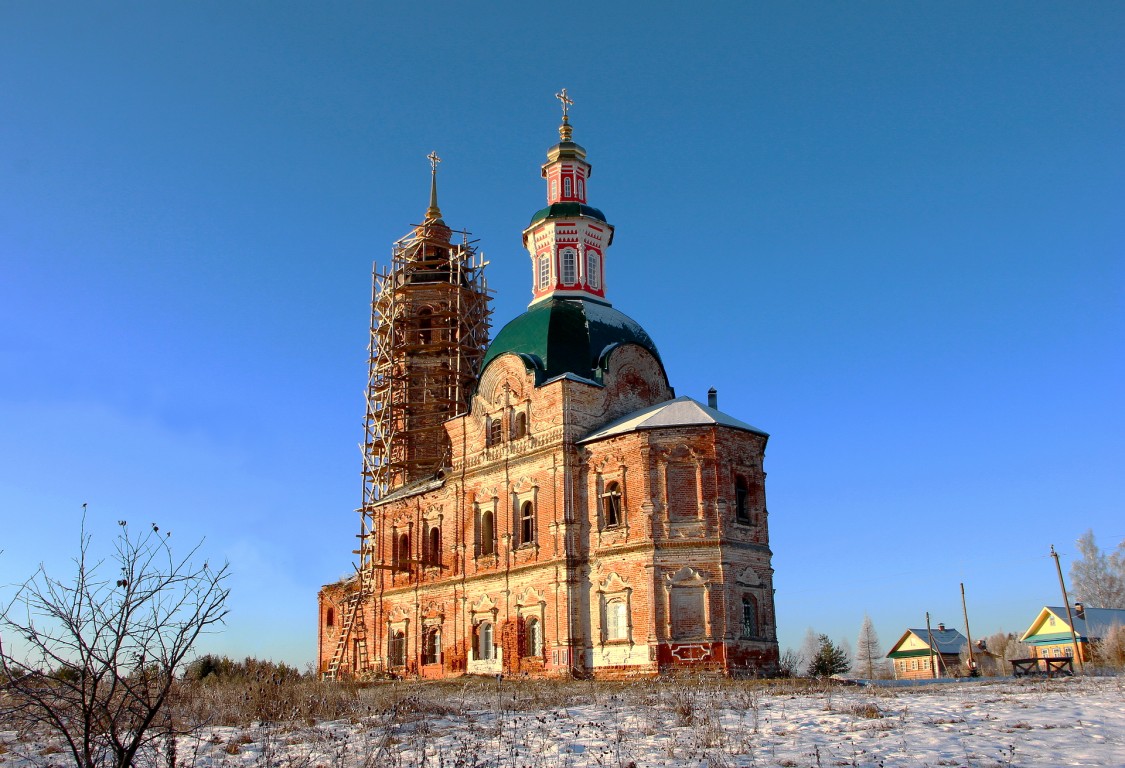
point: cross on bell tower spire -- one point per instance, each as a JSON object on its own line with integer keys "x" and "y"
{"x": 565, "y": 131}
{"x": 433, "y": 212}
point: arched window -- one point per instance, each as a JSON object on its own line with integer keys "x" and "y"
{"x": 425, "y": 325}
{"x": 527, "y": 523}
{"x": 569, "y": 267}
{"x": 487, "y": 533}
{"x": 741, "y": 500}
{"x": 434, "y": 546}
{"x": 611, "y": 505}
{"x": 616, "y": 620}
{"x": 544, "y": 271}
{"x": 495, "y": 431}
{"x": 484, "y": 649}
{"x": 396, "y": 650}
{"x": 403, "y": 553}
{"x": 581, "y": 188}
{"x": 431, "y": 646}
{"x": 567, "y": 187}
{"x": 593, "y": 270}
{"x": 554, "y": 189}
{"x": 533, "y": 641}
{"x": 749, "y": 617}
{"x": 330, "y": 617}
{"x": 519, "y": 425}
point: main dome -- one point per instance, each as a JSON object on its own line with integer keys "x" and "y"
{"x": 561, "y": 336}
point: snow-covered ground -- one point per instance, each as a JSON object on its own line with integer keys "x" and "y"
{"x": 1072, "y": 722}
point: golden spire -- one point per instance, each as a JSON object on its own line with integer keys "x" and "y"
{"x": 565, "y": 130}
{"x": 433, "y": 212}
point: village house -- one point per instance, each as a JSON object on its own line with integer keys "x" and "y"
{"x": 544, "y": 504}
{"x": 1050, "y": 634}
{"x": 921, "y": 653}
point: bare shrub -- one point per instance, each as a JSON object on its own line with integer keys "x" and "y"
{"x": 1110, "y": 650}
{"x": 100, "y": 650}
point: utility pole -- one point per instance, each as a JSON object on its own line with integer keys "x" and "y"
{"x": 930, "y": 640}
{"x": 1069, "y": 617}
{"x": 968, "y": 634}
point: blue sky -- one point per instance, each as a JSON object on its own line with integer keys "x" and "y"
{"x": 890, "y": 234}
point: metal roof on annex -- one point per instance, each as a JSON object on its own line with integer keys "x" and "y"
{"x": 681, "y": 412}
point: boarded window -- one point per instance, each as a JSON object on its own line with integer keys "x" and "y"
{"x": 396, "y": 652}
{"x": 519, "y": 425}
{"x": 487, "y": 533}
{"x": 687, "y": 612}
{"x": 683, "y": 497}
{"x": 402, "y": 553}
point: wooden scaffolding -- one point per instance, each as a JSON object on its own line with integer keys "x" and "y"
{"x": 430, "y": 324}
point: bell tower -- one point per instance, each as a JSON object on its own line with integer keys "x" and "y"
{"x": 429, "y": 330}
{"x": 568, "y": 239}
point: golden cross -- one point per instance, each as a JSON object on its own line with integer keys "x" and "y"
{"x": 566, "y": 101}
{"x": 434, "y": 160}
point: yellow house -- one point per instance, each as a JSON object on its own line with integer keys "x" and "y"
{"x": 1049, "y": 635}
{"x": 920, "y": 653}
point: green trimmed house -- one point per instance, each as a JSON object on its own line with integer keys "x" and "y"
{"x": 922, "y": 654}
{"x": 1049, "y": 635}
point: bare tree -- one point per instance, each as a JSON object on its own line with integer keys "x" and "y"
{"x": 101, "y": 648}
{"x": 1097, "y": 578}
{"x": 869, "y": 660}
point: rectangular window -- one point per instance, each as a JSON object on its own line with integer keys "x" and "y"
{"x": 617, "y": 620}
{"x": 569, "y": 267}
{"x": 544, "y": 271}
{"x": 593, "y": 273}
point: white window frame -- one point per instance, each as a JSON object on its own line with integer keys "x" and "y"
{"x": 544, "y": 267}
{"x": 593, "y": 270}
{"x": 569, "y": 266}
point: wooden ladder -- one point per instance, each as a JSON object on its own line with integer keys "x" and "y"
{"x": 350, "y": 612}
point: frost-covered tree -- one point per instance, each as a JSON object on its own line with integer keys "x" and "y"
{"x": 830, "y": 659}
{"x": 810, "y": 645}
{"x": 1097, "y": 578}
{"x": 869, "y": 661}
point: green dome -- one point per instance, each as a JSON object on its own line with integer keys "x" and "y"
{"x": 575, "y": 336}
{"x": 567, "y": 211}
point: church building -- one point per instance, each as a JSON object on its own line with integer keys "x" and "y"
{"x": 543, "y": 504}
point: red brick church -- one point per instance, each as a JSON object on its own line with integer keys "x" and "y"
{"x": 543, "y": 503}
